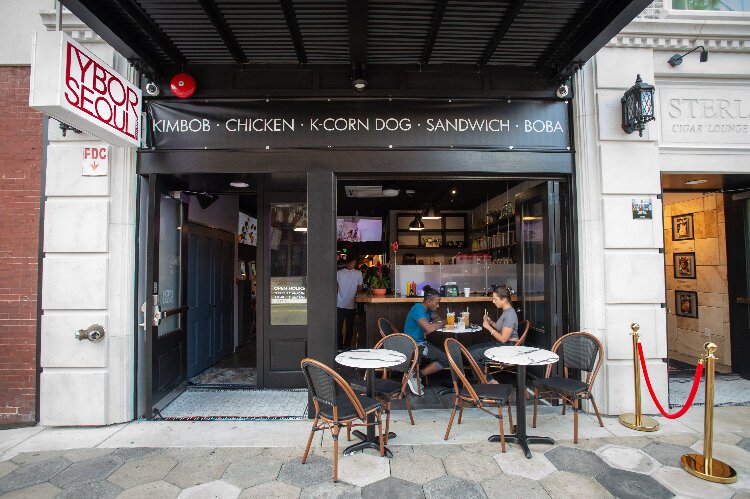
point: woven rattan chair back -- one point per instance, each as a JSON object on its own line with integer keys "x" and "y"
{"x": 386, "y": 327}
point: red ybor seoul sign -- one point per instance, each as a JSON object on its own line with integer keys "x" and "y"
{"x": 71, "y": 84}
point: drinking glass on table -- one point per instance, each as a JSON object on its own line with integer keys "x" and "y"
{"x": 465, "y": 318}
{"x": 451, "y": 318}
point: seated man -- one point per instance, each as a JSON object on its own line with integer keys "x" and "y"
{"x": 420, "y": 322}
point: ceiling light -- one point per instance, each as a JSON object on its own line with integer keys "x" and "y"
{"x": 696, "y": 181}
{"x": 417, "y": 223}
{"x": 431, "y": 213}
{"x": 239, "y": 185}
{"x": 453, "y": 191}
{"x": 359, "y": 83}
{"x": 300, "y": 229}
{"x": 205, "y": 199}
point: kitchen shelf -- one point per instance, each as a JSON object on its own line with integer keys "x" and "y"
{"x": 504, "y": 223}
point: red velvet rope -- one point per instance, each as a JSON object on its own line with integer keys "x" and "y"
{"x": 688, "y": 403}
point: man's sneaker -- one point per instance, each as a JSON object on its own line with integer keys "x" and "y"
{"x": 414, "y": 386}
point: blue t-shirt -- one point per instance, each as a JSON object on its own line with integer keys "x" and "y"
{"x": 412, "y": 327}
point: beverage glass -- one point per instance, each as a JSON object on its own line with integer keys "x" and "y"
{"x": 451, "y": 317}
{"x": 465, "y": 317}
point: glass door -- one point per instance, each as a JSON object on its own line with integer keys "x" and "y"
{"x": 164, "y": 356}
{"x": 540, "y": 257}
{"x": 284, "y": 247}
{"x": 738, "y": 261}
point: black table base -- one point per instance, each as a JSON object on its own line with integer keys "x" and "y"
{"x": 369, "y": 440}
{"x": 520, "y": 437}
{"x": 367, "y": 444}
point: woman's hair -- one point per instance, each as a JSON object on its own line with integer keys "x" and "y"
{"x": 502, "y": 291}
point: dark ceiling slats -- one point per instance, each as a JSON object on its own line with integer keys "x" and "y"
{"x": 217, "y": 19}
{"x": 546, "y": 35}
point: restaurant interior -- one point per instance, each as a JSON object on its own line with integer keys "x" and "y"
{"x": 457, "y": 234}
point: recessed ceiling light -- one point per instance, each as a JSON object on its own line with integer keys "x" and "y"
{"x": 239, "y": 185}
{"x": 453, "y": 191}
{"x": 696, "y": 181}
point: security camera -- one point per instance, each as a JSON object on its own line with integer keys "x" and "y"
{"x": 562, "y": 91}
{"x": 152, "y": 89}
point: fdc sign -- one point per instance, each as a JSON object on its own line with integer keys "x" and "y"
{"x": 72, "y": 85}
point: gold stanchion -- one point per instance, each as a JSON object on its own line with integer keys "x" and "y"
{"x": 705, "y": 466}
{"x": 637, "y": 421}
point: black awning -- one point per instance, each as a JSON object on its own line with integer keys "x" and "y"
{"x": 550, "y": 37}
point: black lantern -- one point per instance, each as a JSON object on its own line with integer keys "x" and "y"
{"x": 637, "y": 107}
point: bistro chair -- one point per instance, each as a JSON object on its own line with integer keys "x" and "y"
{"x": 491, "y": 367}
{"x": 336, "y": 405}
{"x": 387, "y": 389}
{"x": 480, "y": 395}
{"x": 386, "y": 327}
{"x": 580, "y": 352}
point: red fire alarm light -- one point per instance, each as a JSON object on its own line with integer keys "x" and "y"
{"x": 183, "y": 85}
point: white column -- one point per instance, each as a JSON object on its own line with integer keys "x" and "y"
{"x": 622, "y": 268}
{"x": 88, "y": 278}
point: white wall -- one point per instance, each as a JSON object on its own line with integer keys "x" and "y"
{"x": 622, "y": 276}
{"x": 88, "y": 276}
{"x": 18, "y": 20}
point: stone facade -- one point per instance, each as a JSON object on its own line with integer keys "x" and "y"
{"x": 622, "y": 275}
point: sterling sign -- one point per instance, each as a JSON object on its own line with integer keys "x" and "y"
{"x": 73, "y": 86}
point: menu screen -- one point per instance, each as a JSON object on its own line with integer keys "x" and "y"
{"x": 358, "y": 229}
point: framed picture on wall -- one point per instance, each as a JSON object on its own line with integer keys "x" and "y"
{"x": 684, "y": 265}
{"x": 686, "y": 304}
{"x": 682, "y": 227}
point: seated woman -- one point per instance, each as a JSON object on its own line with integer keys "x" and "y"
{"x": 505, "y": 330}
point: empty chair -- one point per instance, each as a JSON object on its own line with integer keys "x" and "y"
{"x": 580, "y": 352}
{"x": 491, "y": 367}
{"x": 386, "y": 327}
{"x": 387, "y": 389}
{"x": 336, "y": 405}
{"x": 480, "y": 395}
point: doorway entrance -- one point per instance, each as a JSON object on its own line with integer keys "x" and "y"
{"x": 460, "y": 235}
{"x": 706, "y": 268}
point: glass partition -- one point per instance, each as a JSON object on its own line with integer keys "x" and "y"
{"x": 479, "y": 277}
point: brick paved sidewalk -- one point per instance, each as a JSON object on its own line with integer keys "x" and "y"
{"x": 641, "y": 465}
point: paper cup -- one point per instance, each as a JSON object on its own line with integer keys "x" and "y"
{"x": 467, "y": 292}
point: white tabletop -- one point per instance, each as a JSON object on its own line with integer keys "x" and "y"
{"x": 521, "y": 356}
{"x": 370, "y": 358}
{"x": 473, "y": 328}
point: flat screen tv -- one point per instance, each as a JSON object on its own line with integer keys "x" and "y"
{"x": 359, "y": 229}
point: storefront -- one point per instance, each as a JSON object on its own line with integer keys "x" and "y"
{"x": 292, "y": 133}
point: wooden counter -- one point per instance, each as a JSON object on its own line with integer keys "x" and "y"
{"x": 366, "y": 298}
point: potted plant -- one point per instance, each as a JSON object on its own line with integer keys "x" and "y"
{"x": 379, "y": 282}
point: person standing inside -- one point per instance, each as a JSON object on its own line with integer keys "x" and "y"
{"x": 349, "y": 282}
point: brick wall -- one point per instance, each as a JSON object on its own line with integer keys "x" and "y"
{"x": 20, "y": 168}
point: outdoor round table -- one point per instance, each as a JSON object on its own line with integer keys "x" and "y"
{"x": 522, "y": 357}
{"x": 370, "y": 359}
{"x": 463, "y": 335}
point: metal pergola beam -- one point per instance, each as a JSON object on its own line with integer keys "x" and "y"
{"x": 501, "y": 31}
{"x": 152, "y": 30}
{"x": 357, "y": 16}
{"x": 294, "y": 31}
{"x": 437, "y": 20}
{"x": 222, "y": 28}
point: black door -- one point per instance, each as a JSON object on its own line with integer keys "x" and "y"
{"x": 210, "y": 297}
{"x": 737, "y": 207}
{"x": 540, "y": 257}
{"x": 282, "y": 229}
{"x": 166, "y": 285}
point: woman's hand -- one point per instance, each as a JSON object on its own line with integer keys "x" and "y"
{"x": 486, "y": 318}
{"x": 486, "y": 324}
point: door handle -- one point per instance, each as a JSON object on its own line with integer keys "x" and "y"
{"x": 743, "y": 301}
